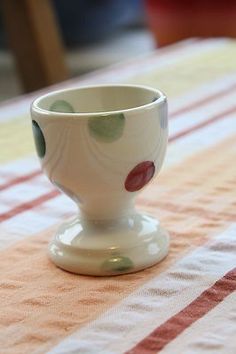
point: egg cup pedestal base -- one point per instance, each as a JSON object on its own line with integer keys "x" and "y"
{"x": 113, "y": 247}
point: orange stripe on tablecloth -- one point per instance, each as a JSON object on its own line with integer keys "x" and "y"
{"x": 40, "y": 304}
{"x": 36, "y": 202}
{"x": 20, "y": 179}
{"x": 173, "y": 327}
{"x": 202, "y": 124}
{"x": 28, "y": 205}
{"x": 200, "y": 211}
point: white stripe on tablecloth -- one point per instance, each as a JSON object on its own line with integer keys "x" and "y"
{"x": 213, "y": 333}
{"x": 206, "y": 89}
{"x": 200, "y": 140}
{"x": 19, "y": 167}
{"x": 25, "y": 191}
{"x": 127, "y": 323}
{"x": 36, "y": 220}
{"x": 120, "y": 73}
{"x": 26, "y": 165}
{"x": 202, "y": 113}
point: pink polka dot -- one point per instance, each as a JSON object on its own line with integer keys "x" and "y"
{"x": 139, "y": 176}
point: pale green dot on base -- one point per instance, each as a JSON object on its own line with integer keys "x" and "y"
{"x": 117, "y": 264}
{"x": 107, "y": 128}
{"x": 61, "y": 106}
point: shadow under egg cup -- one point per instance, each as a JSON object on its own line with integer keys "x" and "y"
{"x": 101, "y": 145}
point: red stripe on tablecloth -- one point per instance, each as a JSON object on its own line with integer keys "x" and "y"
{"x": 203, "y": 101}
{"x": 20, "y": 179}
{"x": 202, "y": 124}
{"x": 173, "y": 327}
{"x": 35, "y": 202}
{"x": 29, "y": 205}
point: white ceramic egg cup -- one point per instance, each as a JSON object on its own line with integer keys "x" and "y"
{"x": 101, "y": 145}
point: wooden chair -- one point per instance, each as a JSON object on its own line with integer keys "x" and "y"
{"x": 35, "y": 42}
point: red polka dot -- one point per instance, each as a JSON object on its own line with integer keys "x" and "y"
{"x": 139, "y": 176}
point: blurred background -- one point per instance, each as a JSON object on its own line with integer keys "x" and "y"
{"x": 43, "y": 42}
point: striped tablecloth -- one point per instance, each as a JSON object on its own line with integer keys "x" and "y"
{"x": 187, "y": 303}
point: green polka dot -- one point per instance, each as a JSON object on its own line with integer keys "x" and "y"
{"x": 117, "y": 264}
{"x": 39, "y": 139}
{"x": 61, "y": 106}
{"x": 107, "y": 128}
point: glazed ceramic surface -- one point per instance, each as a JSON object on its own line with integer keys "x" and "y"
{"x": 101, "y": 145}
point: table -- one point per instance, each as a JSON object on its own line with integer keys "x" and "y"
{"x": 186, "y": 304}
